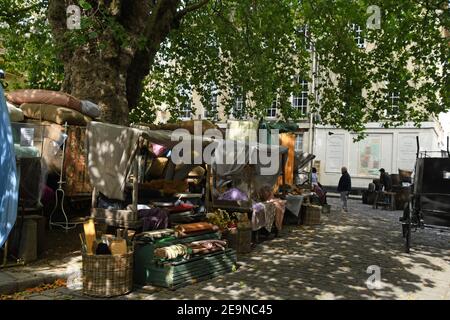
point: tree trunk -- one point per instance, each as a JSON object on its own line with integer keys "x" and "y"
{"x": 113, "y": 77}
{"x": 90, "y": 76}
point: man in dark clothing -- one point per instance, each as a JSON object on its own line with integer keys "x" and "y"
{"x": 344, "y": 187}
{"x": 385, "y": 180}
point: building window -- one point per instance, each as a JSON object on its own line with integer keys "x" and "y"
{"x": 358, "y": 35}
{"x": 185, "y": 111}
{"x": 212, "y": 113}
{"x": 304, "y": 31}
{"x": 394, "y": 100}
{"x": 238, "y": 107}
{"x": 300, "y": 99}
{"x": 299, "y": 143}
{"x": 271, "y": 112}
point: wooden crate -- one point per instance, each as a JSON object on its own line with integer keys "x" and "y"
{"x": 179, "y": 274}
{"x": 311, "y": 214}
{"x": 147, "y": 269}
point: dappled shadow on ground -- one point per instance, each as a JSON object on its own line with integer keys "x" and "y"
{"x": 330, "y": 261}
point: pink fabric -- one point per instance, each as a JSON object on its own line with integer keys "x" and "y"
{"x": 158, "y": 150}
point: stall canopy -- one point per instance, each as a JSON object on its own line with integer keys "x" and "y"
{"x": 112, "y": 148}
{"x": 9, "y": 187}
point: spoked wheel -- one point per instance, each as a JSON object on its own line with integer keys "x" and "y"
{"x": 408, "y": 237}
{"x": 406, "y": 227}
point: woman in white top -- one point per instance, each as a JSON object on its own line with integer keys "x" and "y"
{"x": 314, "y": 177}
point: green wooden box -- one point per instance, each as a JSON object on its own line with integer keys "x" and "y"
{"x": 148, "y": 270}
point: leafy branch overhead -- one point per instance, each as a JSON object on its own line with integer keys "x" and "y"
{"x": 141, "y": 55}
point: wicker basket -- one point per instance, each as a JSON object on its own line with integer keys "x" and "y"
{"x": 326, "y": 208}
{"x": 311, "y": 214}
{"x": 107, "y": 275}
{"x": 240, "y": 240}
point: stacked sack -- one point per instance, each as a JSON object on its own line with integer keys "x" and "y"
{"x": 52, "y": 109}
{"x": 53, "y": 106}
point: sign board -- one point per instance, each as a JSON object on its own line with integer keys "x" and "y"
{"x": 26, "y": 137}
{"x": 335, "y": 153}
{"x": 369, "y": 156}
{"x": 407, "y": 149}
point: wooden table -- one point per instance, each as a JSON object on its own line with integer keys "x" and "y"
{"x": 380, "y": 200}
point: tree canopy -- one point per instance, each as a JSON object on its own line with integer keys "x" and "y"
{"x": 395, "y": 72}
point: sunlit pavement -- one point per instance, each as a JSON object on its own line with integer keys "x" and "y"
{"x": 337, "y": 259}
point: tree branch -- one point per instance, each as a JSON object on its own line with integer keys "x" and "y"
{"x": 180, "y": 14}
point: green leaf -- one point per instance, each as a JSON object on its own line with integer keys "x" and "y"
{"x": 85, "y": 5}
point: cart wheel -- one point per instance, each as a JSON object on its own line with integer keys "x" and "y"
{"x": 408, "y": 238}
{"x": 404, "y": 219}
{"x": 407, "y": 227}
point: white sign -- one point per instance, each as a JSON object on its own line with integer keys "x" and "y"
{"x": 26, "y": 137}
{"x": 335, "y": 153}
{"x": 407, "y": 149}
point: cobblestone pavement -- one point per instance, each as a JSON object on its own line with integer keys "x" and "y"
{"x": 327, "y": 261}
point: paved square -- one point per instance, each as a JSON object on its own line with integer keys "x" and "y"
{"x": 327, "y": 261}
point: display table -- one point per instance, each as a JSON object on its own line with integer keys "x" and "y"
{"x": 380, "y": 200}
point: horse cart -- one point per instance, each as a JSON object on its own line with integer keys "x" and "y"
{"x": 429, "y": 204}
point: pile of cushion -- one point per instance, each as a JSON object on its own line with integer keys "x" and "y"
{"x": 54, "y": 106}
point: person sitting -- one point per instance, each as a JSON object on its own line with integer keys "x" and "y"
{"x": 386, "y": 184}
{"x": 317, "y": 187}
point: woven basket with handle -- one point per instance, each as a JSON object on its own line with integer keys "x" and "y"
{"x": 107, "y": 275}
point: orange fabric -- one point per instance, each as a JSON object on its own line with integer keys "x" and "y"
{"x": 288, "y": 140}
{"x": 194, "y": 227}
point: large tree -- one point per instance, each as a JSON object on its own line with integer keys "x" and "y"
{"x": 136, "y": 55}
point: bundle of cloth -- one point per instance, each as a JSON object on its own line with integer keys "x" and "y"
{"x": 207, "y": 246}
{"x": 268, "y": 211}
{"x": 172, "y": 252}
{"x": 54, "y": 106}
{"x": 188, "y": 249}
{"x": 190, "y": 229}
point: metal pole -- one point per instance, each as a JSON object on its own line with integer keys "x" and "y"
{"x": 311, "y": 117}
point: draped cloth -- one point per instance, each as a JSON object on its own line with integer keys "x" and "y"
{"x": 110, "y": 151}
{"x": 265, "y": 214}
{"x": 9, "y": 187}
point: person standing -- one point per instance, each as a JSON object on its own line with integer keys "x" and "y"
{"x": 344, "y": 187}
{"x": 385, "y": 180}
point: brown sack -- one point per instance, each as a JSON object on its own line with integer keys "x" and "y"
{"x": 44, "y": 97}
{"x": 55, "y": 114}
